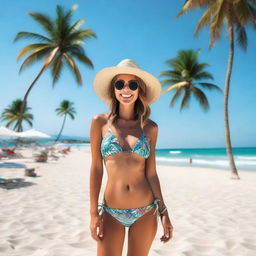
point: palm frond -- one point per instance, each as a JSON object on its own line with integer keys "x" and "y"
{"x": 185, "y": 100}
{"x": 28, "y": 121}
{"x": 8, "y": 124}
{"x": 38, "y": 55}
{"x": 200, "y": 96}
{"x": 203, "y": 75}
{"x": 81, "y": 35}
{"x": 75, "y": 48}
{"x": 176, "y": 63}
{"x": 44, "y": 21}
{"x": 83, "y": 58}
{"x": 71, "y": 115}
{"x": 170, "y": 81}
{"x": 197, "y": 68}
{"x": 56, "y": 68}
{"x": 172, "y": 73}
{"x": 218, "y": 20}
{"x": 207, "y": 17}
{"x": 30, "y": 35}
{"x": 62, "y": 22}
{"x": 252, "y": 7}
{"x": 32, "y": 48}
{"x": 241, "y": 36}
{"x": 244, "y": 12}
{"x": 176, "y": 86}
{"x": 175, "y": 97}
{"x": 73, "y": 67}
{"x": 211, "y": 86}
{"x": 76, "y": 25}
{"x": 190, "y": 5}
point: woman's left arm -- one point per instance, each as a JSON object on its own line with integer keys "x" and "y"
{"x": 153, "y": 180}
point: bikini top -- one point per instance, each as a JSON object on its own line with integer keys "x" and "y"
{"x": 110, "y": 145}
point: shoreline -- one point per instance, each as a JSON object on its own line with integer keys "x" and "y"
{"x": 202, "y": 167}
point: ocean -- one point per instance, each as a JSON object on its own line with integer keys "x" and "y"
{"x": 245, "y": 157}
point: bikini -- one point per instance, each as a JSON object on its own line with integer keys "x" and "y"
{"x": 110, "y": 146}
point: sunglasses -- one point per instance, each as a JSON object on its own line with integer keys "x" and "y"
{"x": 133, "y": 84}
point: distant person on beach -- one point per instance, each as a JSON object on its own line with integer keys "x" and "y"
{"x": 125, "y": 139}
{"x": 190, "y": 160}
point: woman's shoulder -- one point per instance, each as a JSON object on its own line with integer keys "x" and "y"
{"x": 100, "y": 119}
{"x": 151, "y": 124}
{"x": 151, "y": 128}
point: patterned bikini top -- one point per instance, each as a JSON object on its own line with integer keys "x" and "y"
{"x": 110, "y": 145}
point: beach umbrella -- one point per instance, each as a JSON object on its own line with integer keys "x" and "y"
{"x": 32, "y": 133}
{"x": 5, "y": 132}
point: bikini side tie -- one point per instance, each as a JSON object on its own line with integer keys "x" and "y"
{"x": 157, "y": 207}
{"x": 101, "y": 208}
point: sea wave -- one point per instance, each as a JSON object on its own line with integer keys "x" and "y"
{"x": 174, "y": 152}
{"x": 221, "y": 162}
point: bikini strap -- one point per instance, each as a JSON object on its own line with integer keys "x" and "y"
{"x": 101, "y": 208}
{"x": 108, "y": 125}
{"x": 157, "y": 207}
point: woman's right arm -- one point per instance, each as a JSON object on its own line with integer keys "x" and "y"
{"x": 96, "y": 173}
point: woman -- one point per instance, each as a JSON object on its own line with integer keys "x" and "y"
{"x": 125, "y": 139}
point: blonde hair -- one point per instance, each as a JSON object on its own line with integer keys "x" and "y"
{"x": 141, "y": 107}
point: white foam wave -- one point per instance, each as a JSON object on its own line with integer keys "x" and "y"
{"x": 246, "y": 157}
{"x": 218, "y": 162}
{"x": 174, "y": 152}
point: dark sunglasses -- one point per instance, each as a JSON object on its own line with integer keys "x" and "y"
{"x": 133, "y": 84}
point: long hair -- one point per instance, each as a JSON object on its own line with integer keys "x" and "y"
{"x": 141, "y": 107}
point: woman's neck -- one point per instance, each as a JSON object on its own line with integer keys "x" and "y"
{"x": 126, "y": 112}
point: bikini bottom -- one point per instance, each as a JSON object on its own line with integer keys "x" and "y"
{"x": 128, "y": 216}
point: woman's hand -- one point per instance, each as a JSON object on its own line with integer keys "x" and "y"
{"x": 168, "y": 228}
{"x": 96, "y": 223}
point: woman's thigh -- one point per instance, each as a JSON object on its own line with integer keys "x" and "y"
{"x": 113, "y": 237}
{"x": 141, "y": 234}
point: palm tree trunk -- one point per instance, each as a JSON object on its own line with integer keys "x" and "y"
{"x": 234, "y": 174}
{"x": 61, "y": 128}
{"x": 47, "y": 62}
{"x": 24, "y": 102}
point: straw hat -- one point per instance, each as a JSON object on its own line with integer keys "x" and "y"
{"x": 103, "y": 79}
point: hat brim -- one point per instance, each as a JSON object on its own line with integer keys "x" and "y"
{"x": 104, "y": 77}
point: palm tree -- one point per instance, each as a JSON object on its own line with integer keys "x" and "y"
{"x": 186, "y": 72}
{"x": 13, "y": 115}
{"x": 235, "y": 14}
{"x": 65, "y": 108}
{"x": 61, "y": 45}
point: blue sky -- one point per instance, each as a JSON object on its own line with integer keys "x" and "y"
{"x": 149, "y": 33}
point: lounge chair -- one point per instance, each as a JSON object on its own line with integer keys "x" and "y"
{"x": 41, "y": 156}
{"x": 10, "y": 153}
{"x": 5, "y": 181}
{"x": 64, "y": 150}
{"x": 54, "y": 156}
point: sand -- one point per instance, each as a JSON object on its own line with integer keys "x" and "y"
{"x": 48, "y": 215}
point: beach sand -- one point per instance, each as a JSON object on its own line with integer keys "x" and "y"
{"x": 48, "y": 215}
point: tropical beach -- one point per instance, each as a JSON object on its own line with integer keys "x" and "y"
{"x": 202, "y": 53}
{"x": 49, "y": 214}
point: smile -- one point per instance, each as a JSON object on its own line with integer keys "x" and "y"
{"x": 126, "y": 95}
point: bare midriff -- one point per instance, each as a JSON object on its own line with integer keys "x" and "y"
{"x": 127, "y": 186}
